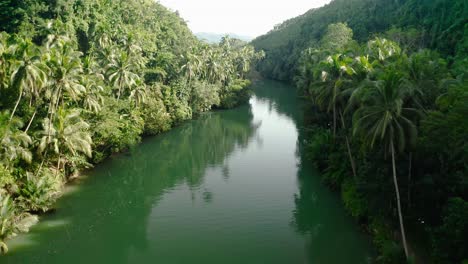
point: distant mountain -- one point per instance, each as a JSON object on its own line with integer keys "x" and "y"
{"x": 216, "y": 37}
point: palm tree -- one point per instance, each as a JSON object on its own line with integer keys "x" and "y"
{"x": 67, "y": 134}
{"x": 92, "y": 98}
{"x": 139, "y": 93}
{"x": 328, "y": 91}
{"x": 383, "y": 118}
{"x": 192, "y": 67}
{"x": 66, "y": 70}
{"x": 382, "y": 49}
{"x": 15, "y": 143}
{"x": 29, "y": 73}
{"x": 121, "y": 72}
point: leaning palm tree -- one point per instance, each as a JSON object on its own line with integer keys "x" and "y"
{"x": 67, "y": 134}
{"x": 29, "y": 72}
{"x": 383, "y": 118}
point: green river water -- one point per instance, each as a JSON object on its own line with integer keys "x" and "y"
{"x": 230, "y": 187}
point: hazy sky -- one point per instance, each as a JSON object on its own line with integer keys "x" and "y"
{"x": 243, "y": 17}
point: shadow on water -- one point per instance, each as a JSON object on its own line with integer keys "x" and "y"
{"x": 230, "y": 187}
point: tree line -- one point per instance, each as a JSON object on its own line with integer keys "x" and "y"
{"x": 80, "y": 80}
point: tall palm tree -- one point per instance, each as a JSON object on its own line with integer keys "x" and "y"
{"x": 383, "y": 118}
{"x": 29, "y": 72}
{"x": 330, "y": 92}
{"x": 67, "y": 134}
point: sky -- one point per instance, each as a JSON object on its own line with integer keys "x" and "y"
{"x": 243, "y": 17}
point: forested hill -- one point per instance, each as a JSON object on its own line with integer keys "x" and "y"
{"x": 82, "y": 79}
{"x": 435, "y": 24}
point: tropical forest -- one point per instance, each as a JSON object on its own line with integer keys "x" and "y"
{"x": 145, "y": 131}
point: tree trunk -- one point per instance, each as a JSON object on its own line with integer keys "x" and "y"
{"x": 334, "y": 121}
{"x": 58, "y": 166}
{"x": 16, "y": 105}
{"x": 350, "y": 154}
{"x": 400, "y": 216}
{"x": 351, "y": 159}
{"x": 30, "y": 121}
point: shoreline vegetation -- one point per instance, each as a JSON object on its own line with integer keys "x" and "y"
{"x": 387, "y": 90}
{"x": 81, "y": 80}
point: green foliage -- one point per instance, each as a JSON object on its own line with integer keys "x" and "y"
{"x": 204, "y": 96}
{"x": 389, "y": 251}
{"x": 317, "y": 146}
{"x": 38, "y": 193}
{"x": 337, "y": 37}
{"x": 449, "y": 239}
{"x": 353, "y": 200}
{"x": 117, "y": 126}
{"x": 156, "y": 117}
{"x": 7, "y": 220}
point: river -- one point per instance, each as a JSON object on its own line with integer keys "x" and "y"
{"x": 229, "y": 187}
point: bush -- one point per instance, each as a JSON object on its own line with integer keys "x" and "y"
{"x": 39, "y": 193}
{"x": 353, "y": 200}
{"x": 155, "y": 115}
{"x": 204, "y": 96}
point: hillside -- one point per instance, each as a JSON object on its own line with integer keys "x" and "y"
{"x": 438, "y": 24}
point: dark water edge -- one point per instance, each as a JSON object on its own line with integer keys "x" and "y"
{"x": 230, "y": 187}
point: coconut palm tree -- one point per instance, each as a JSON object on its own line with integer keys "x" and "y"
{"x": 67, "y": 134}
{"x": 192, "y": 67}
{"x": 28, "y": 72}
{"x": 66, "y": 70}
{"x": 331, "y": 91}
{"x": 139, "y": 93}
{"x": 382, "y": 49}
{"x": 328, "y": 91}
{"x": 382, "y": 118}
{"x": 15, "y": 143}
{"x": 121, "y": 72}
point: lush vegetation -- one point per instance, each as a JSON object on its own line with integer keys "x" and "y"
{"x": 80, "y": 80}
{"x": 388, "y": 93}
{"x": 434, "y": 24}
